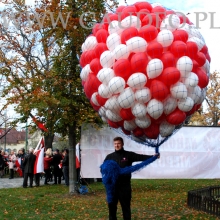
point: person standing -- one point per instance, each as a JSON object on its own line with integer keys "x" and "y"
{"x": 22, "y": 156}
{"x": 57, "y": 170}
{"x": 2, "y": 164}
{"x": 122, "y": 191}
{"x": 28, "y": 164}
{"x": 65, "y": 163}
{"x": 11, "y": 163}
{"x": 47, "y": 161}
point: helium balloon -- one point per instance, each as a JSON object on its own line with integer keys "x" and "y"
{"x": 145, "y": 69}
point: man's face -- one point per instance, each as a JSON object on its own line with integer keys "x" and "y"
{"x": 118, "y": 145}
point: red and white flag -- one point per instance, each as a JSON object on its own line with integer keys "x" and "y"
{"x": 17, "y": 164}
{"x": 39, "y": 152}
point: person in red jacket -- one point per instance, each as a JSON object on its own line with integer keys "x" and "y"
{"x": 47, "y": 162}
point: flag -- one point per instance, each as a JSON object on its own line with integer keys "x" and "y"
{"x": 39, "y": 152}
{"x": 17, "y": 165}
{"x": 40, "y": 125}
{"x": 77, "y": 156}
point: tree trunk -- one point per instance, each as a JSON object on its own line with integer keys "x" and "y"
{"x": 48, "y": 140}
{"x": 72, "y": 159}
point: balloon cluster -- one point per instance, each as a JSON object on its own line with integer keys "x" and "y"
{"x": 145, "y": 69}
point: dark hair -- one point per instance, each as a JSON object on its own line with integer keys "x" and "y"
{"x": 119, "y": 139}
{"x": 67, "y": 151}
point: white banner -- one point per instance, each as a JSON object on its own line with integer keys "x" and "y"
{"x": 191, "y": 153}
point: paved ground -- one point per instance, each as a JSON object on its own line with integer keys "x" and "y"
{"x": 17, "y": 182}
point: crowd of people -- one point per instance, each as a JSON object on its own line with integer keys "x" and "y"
{"x": 56, "y": 166}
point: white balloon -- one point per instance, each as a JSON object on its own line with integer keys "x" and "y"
{"x": 166, "y": 129}
{"x": 206, "y": 67}
{"x": 93, "y": 98}
{"x": 129, "y": 125}
{"x": 121, "y": 52}
{"x": 171, "y": 22}
{"x": 102, "y": 111}
{"x": 194, "y": 32}
{"x": 143, "y": 95}
{"x": 116, "y": 85}
{"x": 155, "y": 108}
{"x": 107, "y": 59}
{"x": 126, "y": 98}
{"x": 136, "y": 44}
{"x": 112, "y": 104}
{"x": 113, "y": 116}
{"x": 83, "y": 47}
{"x": 202, "y": 96}
{"x": 195, "y": 93}
{"x": 186, "y": 104}
{"x": 165, "y": 38}
{"x": 184, "y": 65}
{"x": 137, "y": 80}
{"x": 184, "y": 26}
{"x": 130, "y": 21}
{"x": 191, "y": 80}
{"x": 198, "y": 41}
{"x": 143, "y": 122}
{"x": 90, "y": 43}
{"x": 105, "y": 75}
{"x": 139, "y": 110}
{"x": 85, "y": 72}
{"x": 178, "y": 90}
{"x": 113, "y": 41}
{"x": 170, "y": 105}
{"x": 104, "y": 119}
{"x": 104, "y": 91}
{"x": 114, "y": 27}
{"x": 154, "y": 68}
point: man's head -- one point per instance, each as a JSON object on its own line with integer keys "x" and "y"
{"x": 118, "y": 143}
{"x": 31, "y": 150}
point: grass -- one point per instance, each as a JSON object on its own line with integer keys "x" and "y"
{"x": 151, "y": 199}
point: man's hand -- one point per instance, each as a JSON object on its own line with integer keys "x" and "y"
{"x": 158, "y": 155}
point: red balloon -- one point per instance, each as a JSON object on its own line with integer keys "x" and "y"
{"x": 200, "y": 59}
{"x": 170, "y": 76}
{"x": 142, "y": 13}
{"x": 204, "y": 49}
{"x": 143, "y": 5}
{"x": 99, "y": 49}
{"x": 193, "y": 110}
{"x": 138, "y": 132}
{"x": 203, "y": 78}
{"x": 120, "y": 8}
{"x": 151, "y": 19}
{"x": 160, "y": 11}
{"x": 95, "y": 107}
{"x": 178, "y": 48}
{"x": 192, "y": 49}
{"x": 139, "y": 62}
{"x": 110, "y": 17}
{"x": 180, "y": 35}
{"x": 90, "y": 55}
{"x": 149, "y": 33}
{"x": 127, "y": 11}
{"x": 101, "y": 100}
{"x": 159, "y": 90}
{"x": 154, "y": 49}
{"x": 168, "y": 59}
{"x": 176, "y": 117}
{"x": 126, "y": 131}
{"x": 96, "y": 27}
{"x": 95, "y": 65}
{"x": 122, "y": 68}
{"x": 128, "y": 33}
{"x": 152, "y": 131}
{"x": 169, "y": 12}
{"x": 91, "y": 85}
{"x": 101, "y": 36}
{"x": 195, "y": 66}
{"x": 82, "y": 59}
{"x": 113, "y": 124}
{"x": 126, "y": 114}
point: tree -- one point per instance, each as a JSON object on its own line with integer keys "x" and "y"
{"x": 41, "y": 65}
{"x": 209, "y": 113}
